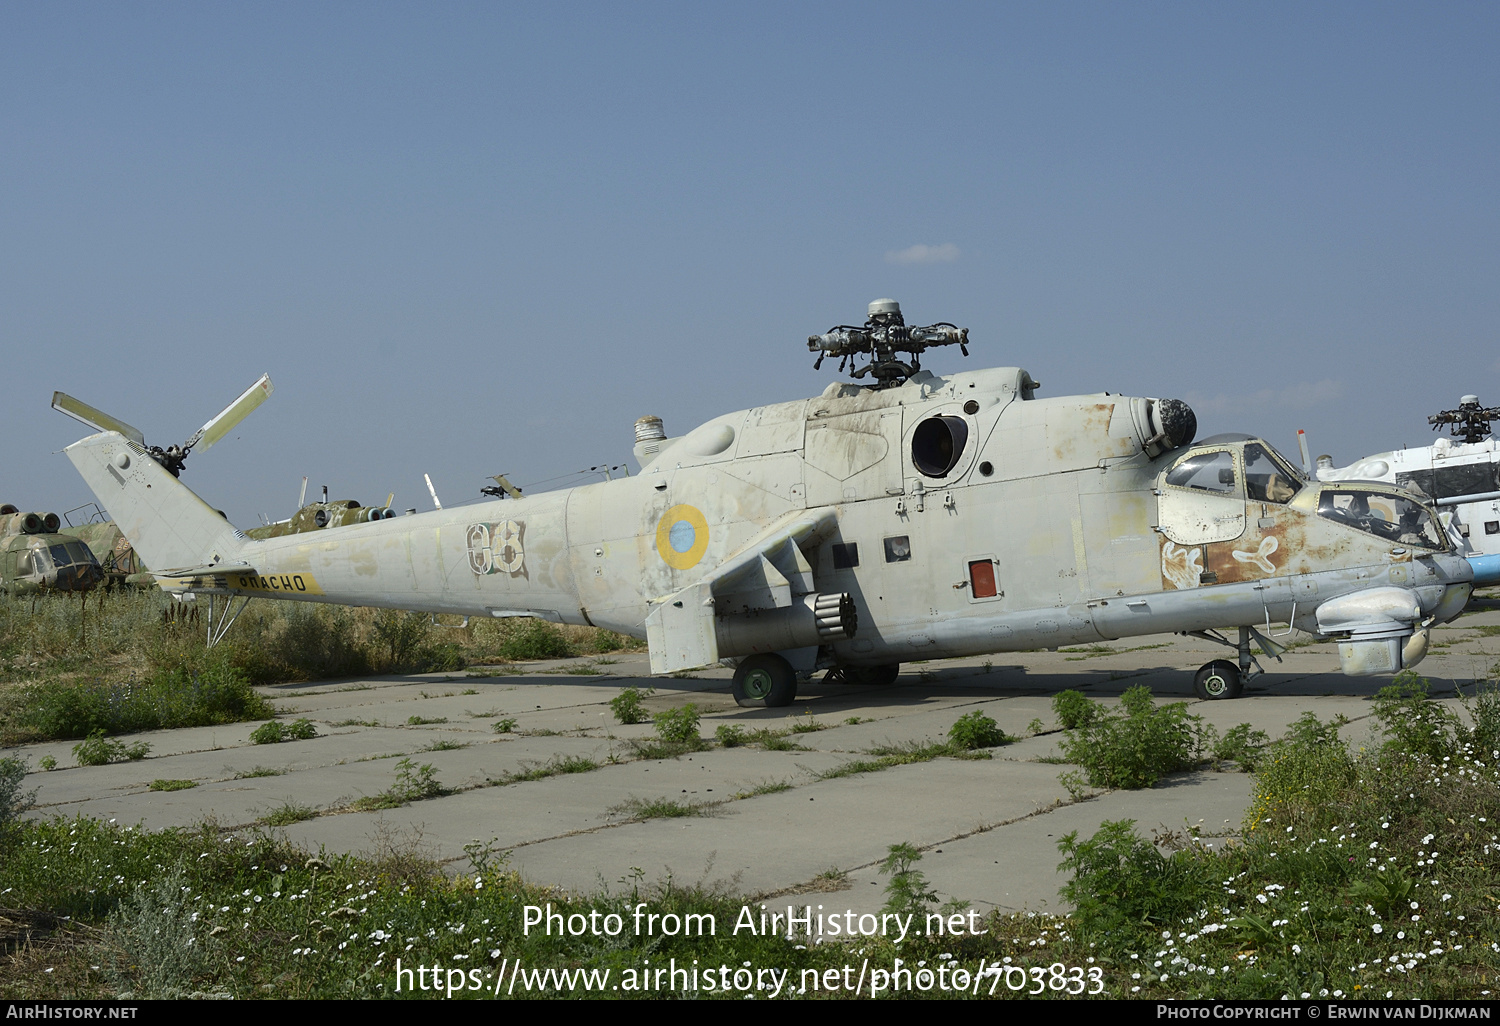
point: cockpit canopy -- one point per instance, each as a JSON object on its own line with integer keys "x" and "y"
{"x": 1385, "y": 513}
{"x": 1241, "y": 466}
{"x": 1213, "y": 466}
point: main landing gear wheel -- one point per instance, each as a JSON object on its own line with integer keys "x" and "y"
{"x": 765, "y": 681}
{"x": 872, "y": 675}
{"x": 1218, "y": 679}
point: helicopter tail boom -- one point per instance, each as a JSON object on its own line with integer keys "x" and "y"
{"x": 170, "y": 527}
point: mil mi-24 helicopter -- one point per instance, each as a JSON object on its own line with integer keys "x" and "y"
{"x": 915, "y": 516}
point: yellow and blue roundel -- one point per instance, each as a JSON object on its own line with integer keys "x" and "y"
{"x": 682, "y": 537}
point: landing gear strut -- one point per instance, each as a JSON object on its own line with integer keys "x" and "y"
{"x": 871, "y": 676}
{"x": 1222, "y": 679}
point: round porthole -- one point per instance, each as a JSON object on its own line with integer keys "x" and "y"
{"x": 971, "y": 407}
{"x": 937, "y": 444}
{"x": 986, "y": 468}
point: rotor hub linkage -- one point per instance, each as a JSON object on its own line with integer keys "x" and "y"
{"x": 881, "y": 339}
{"x": 172, "y": 458}
{"x": 1470, "y": 421}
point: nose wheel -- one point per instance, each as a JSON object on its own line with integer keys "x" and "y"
{"x": 1223, "y": 679}
{"x": 765, "y": 681}
{"x": 1218, "y": 679}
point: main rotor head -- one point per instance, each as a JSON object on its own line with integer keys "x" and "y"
{"x": 883, "y": 336}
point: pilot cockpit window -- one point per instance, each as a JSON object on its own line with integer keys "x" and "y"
{"x": 1266, "y": 479}
{"x": 1206, "y": 472}
{"x": 1386, "y": 516}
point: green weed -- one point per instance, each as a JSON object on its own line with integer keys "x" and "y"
{"x": 1136, "y": 746}
{"x": 1075, "y": 710}
{"x": 628, "y": 707}
{"x": 679, "y": 725}
{"x": 976, "y": 730}
{"x": 172, "y": 785}
{"x": 98, "y": 750}
{"x": 13, "y": 800}
{"x": 907, "y": 892}
{"x": 413, "y": 784}
{"x": 276, "y": 732}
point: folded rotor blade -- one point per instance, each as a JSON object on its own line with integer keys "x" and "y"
{"x": 232, "y": 414}
{"x": 96, "y": 419}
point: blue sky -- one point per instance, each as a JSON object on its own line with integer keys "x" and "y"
{"x": 466, "y": 239}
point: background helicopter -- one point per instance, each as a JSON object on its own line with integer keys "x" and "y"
{"x": 35, "y": 556}
{"x": 1459, "y": 474}
{"x": 920, "y": 517}
{"x": 116, "y": 556}
{"x": 315, "y": 516}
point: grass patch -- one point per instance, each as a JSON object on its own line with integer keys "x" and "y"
{"x": 663, "y": 808}
{"x": 358, "y": 723}
{"x": 901, "y": 754}
{"x": 1360, "y": 875}
{"x": 145, "y": 664}
{"x": 214, "y": 693}
{"x": 422, "y": 721}
{"x": 832, "y": 879}
{"x": 1322, "y": 906}
{"x": 287, "y": 814}
{"x": 1088, "y": 652}
{"x": 444, "y": 745}
{"x": 172, "y": 785}
{"x": 558, "y": 766}
{"x": 259, "y": 771}
{"x": 535, "y": 639}
{"x": 505, "y": 726}
{"x": 731, "y": 735}
{"x": 767, "y": 787}
{"x": 655, "y": 748}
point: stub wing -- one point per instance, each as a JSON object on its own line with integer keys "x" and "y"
{"x": 762, "y": 598}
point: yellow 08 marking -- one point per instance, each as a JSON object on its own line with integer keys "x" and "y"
{"x": 682, "y": 537}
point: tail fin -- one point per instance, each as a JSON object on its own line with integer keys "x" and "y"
{"x": 169, "y": 526}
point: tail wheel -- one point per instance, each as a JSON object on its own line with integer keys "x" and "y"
{"x": 1218, "y": 679}
{"x": 765, "y": 681}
